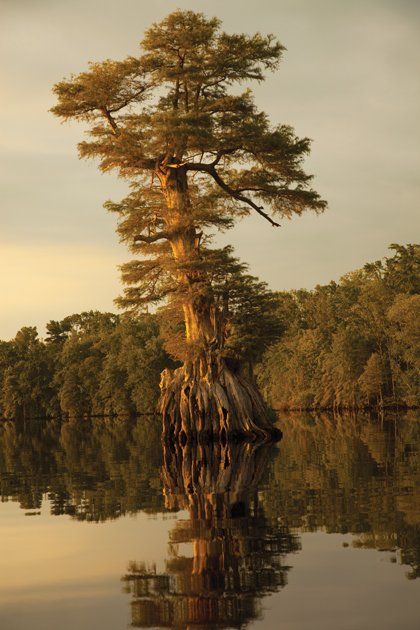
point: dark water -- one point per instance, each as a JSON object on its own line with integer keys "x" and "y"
{"x": 101, "y": 527}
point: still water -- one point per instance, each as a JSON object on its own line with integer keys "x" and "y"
{"x": 101, "y": 527}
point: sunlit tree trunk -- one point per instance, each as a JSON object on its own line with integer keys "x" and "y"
{"x": 205, "y": 398}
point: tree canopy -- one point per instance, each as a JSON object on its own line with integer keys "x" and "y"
{"x": 181, "y": 104}
{"x": 353, "y": 343}
{"x": 89, "y": 364}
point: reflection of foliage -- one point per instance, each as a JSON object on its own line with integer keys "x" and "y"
{"x": 351, "y": 475}
{"x": 237, "y": 552}
{"x": 344, "y": 474}
{"x": 93, "y": 470}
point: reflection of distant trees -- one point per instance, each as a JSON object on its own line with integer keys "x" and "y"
{"x": 351, "y": 475}
{"x": 343, "y": 474}
{"x": 237, "y": 553}
{"x": 91, "y": 469}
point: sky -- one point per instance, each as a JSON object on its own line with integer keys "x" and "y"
{"x": 349, "y": 80}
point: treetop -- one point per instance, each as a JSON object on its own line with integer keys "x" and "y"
{"x": 176, "y": 106}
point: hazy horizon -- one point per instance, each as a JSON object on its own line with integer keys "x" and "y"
{"x": 349, "y": 80}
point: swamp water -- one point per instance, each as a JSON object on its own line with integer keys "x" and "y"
{"x": 101, "y": 527}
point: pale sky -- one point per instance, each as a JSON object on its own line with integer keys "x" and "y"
{"x": 350, "y": 80}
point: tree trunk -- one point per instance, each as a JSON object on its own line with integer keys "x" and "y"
{"x": 207, "y": 397}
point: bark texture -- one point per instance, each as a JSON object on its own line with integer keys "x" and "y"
{"x": 212, "y": 402}
{"x": 205, "y": 397}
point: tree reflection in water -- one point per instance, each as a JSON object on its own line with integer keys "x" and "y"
{"x": 237, "y": 552}
{"x": 357, "y": 475}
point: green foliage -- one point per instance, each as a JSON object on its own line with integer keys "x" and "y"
{"x": 175, "y": 101}
{"x": 90, "y": 363}
{"x": 252, "y": 321}
{"x": 26, "y": 374}
{"x": 244, "y": 304}
{"x": 351, "y": 344}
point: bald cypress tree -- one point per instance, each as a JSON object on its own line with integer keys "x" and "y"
{"x": 198, "y": 155}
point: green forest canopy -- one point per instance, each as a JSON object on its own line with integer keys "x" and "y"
{"x": 351, "y": 343}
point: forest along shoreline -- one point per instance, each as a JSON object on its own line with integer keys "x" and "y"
{"x": 348, "y": 345}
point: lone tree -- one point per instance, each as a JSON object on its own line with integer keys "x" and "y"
{"x": 198, "y": 155}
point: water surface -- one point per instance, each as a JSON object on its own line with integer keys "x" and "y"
{"x": 102, "y": 527}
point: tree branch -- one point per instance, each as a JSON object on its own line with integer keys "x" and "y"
{"x": 210, "y": 169}
{"x": 200, "y": 166}
{"x": 129, "y": 99}
{"x": 111, "y": 121}
{"x": 152, "y": 238}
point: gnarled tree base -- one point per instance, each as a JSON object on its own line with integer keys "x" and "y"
{"x": 222, "y": 407}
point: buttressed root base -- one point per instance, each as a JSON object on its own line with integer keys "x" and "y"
{"x": 224, "y": 408}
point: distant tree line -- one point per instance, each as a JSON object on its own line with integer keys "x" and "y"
{"x": 96, "y": 363}
{"x": 89, "y": 364}
{"x": 349, "y": 344}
